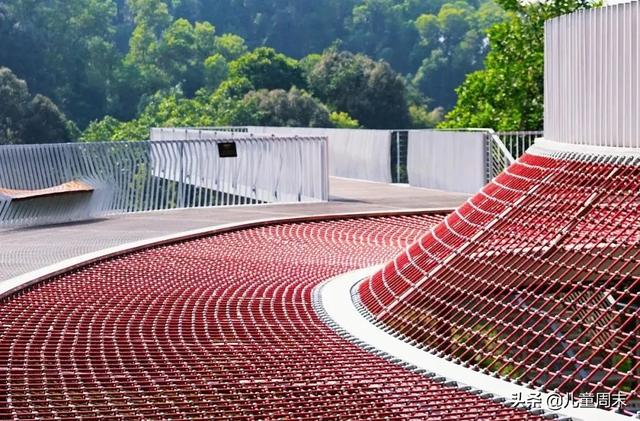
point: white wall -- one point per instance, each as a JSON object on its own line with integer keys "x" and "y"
{"x": 353, "y": 153}
{"x": 592, "y": 77}
{"x": 450, "y": 161}
{"x": 268, "y": 168}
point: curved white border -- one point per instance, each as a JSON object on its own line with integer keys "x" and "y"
{"x": 544, "y": 147}
{"x": 337, "y": 302}
{"x": 12, "y": 285}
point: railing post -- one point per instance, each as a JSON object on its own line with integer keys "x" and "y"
{"x": 325, "y": 169}
{"x": 398, "y": 156}
{"x": 488, "y": 157}
{"x": 181, "y": 181}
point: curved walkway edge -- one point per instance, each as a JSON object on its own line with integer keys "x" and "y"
{"x": 17, "y": 283}
{"x": 334, "y": 299}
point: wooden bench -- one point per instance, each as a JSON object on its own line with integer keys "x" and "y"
{"x": 70, "y": 187}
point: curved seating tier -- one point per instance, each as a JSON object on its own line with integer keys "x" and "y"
{"x": 536, "y": 279}
{"x": 217, "y": 327}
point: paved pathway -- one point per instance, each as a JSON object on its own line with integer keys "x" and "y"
{"x": 27, "y": 249}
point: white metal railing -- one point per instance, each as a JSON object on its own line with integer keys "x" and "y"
{"x": 369, "y": 154}
{"x": 361, "y": 154}
{"x": 449, "y": 160}
{"x": 148, "y": 176}
{"x": 503, "y": 148}
{"x": 518, "y": 142}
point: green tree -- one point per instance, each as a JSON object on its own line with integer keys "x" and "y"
{"x": 151, "y": 14}
{"x": 230, "y": 46}
{"x": 139, "y": 74}
{"x": 165, "y": 55}
{"x": 508, "y": 93}
{"x": 382, "y": 29}
{"x": 182, "y": 52}
{"x": 343, "y": 120}
{"x": 267, "y": 69}
{"x": 307, "y": 63}
{"x": 101, "y": 130}
{"x": 454, "y": 45}
{"x": 422, "y": 118}
{"x": 294, "y": 108}
{"x": 225, "y": 106}
{"x": 294, "y": 27}
{"x": 109, "y": 57}
{"x": 216, "y": 70}
{"x": 369, "y": 91}
{"x": 29, "y": 119}
{"x": 64, "y": 49}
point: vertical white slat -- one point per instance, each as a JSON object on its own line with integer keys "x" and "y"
{"x": 592, "y": 88}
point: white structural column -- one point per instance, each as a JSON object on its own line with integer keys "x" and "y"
{"x": 592, "y": 79}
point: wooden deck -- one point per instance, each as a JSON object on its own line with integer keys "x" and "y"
{"x": 72, "y": 187}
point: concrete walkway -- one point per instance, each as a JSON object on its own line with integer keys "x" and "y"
{"x": 27, "y": 249}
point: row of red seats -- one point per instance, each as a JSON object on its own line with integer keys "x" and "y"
{"x": 220, "y": 327}
{"x": 536, "y": 279}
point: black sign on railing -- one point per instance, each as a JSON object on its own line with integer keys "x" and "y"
{"x": 227, "y": 150}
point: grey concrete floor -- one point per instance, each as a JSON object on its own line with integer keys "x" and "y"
{"x": 27, "y": 249}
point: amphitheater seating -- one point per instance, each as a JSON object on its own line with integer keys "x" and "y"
{"x": 217, "y": 328}
{"x": 536, "y": 279}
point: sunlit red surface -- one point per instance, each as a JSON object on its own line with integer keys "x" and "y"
{"x": 217, "y": 327}
{"x": 536, "y": 279}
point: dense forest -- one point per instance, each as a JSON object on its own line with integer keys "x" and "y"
{"x": 110, "y": 69}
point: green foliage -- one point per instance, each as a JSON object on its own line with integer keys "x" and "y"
{"x": 263, "y": 107}
{"x": 216, "y": 70}
{"x": 342, "y": 120}
{"x": 281, "y": 108}
{"x": 454, "y": 45}
{"x": 182, "y": 53}
{"x": 234, "y": 88}
{"x": 422, "y": 118}
{"x": 267, "y": 69}
{"x": 29, "y": 119}
{"x": 307, "y": 63}
{"x": 369, "y": 91}
{"x": 97, "y": 58}
{"x": 64, "y": 49}
{"x": 106, "y": 57}
{"x": 151, "y": 14}
{"x": 174, "y": 58}
{"x": 383, "y": 29}
{"x": 101, "y": 130}
{"x": 230, "y": 46}
{"x": 508, "y": 93}
{"x": 295, "y": 27}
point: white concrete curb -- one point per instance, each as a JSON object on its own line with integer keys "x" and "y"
{"x": 12, "y": 285}
{"x": 337, "y": 303}
{"x": 544, "y": 147}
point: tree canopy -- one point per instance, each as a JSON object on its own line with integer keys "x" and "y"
{"x": 267, "y": 88}
{"x": 95, "y": 58}
{"x": 369, "y": 91}
{"x": 27, "y": 118}
{"x": 281, "y": 108}
{"x": 264, "y": 68}
{"x": 508, "y": 94}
